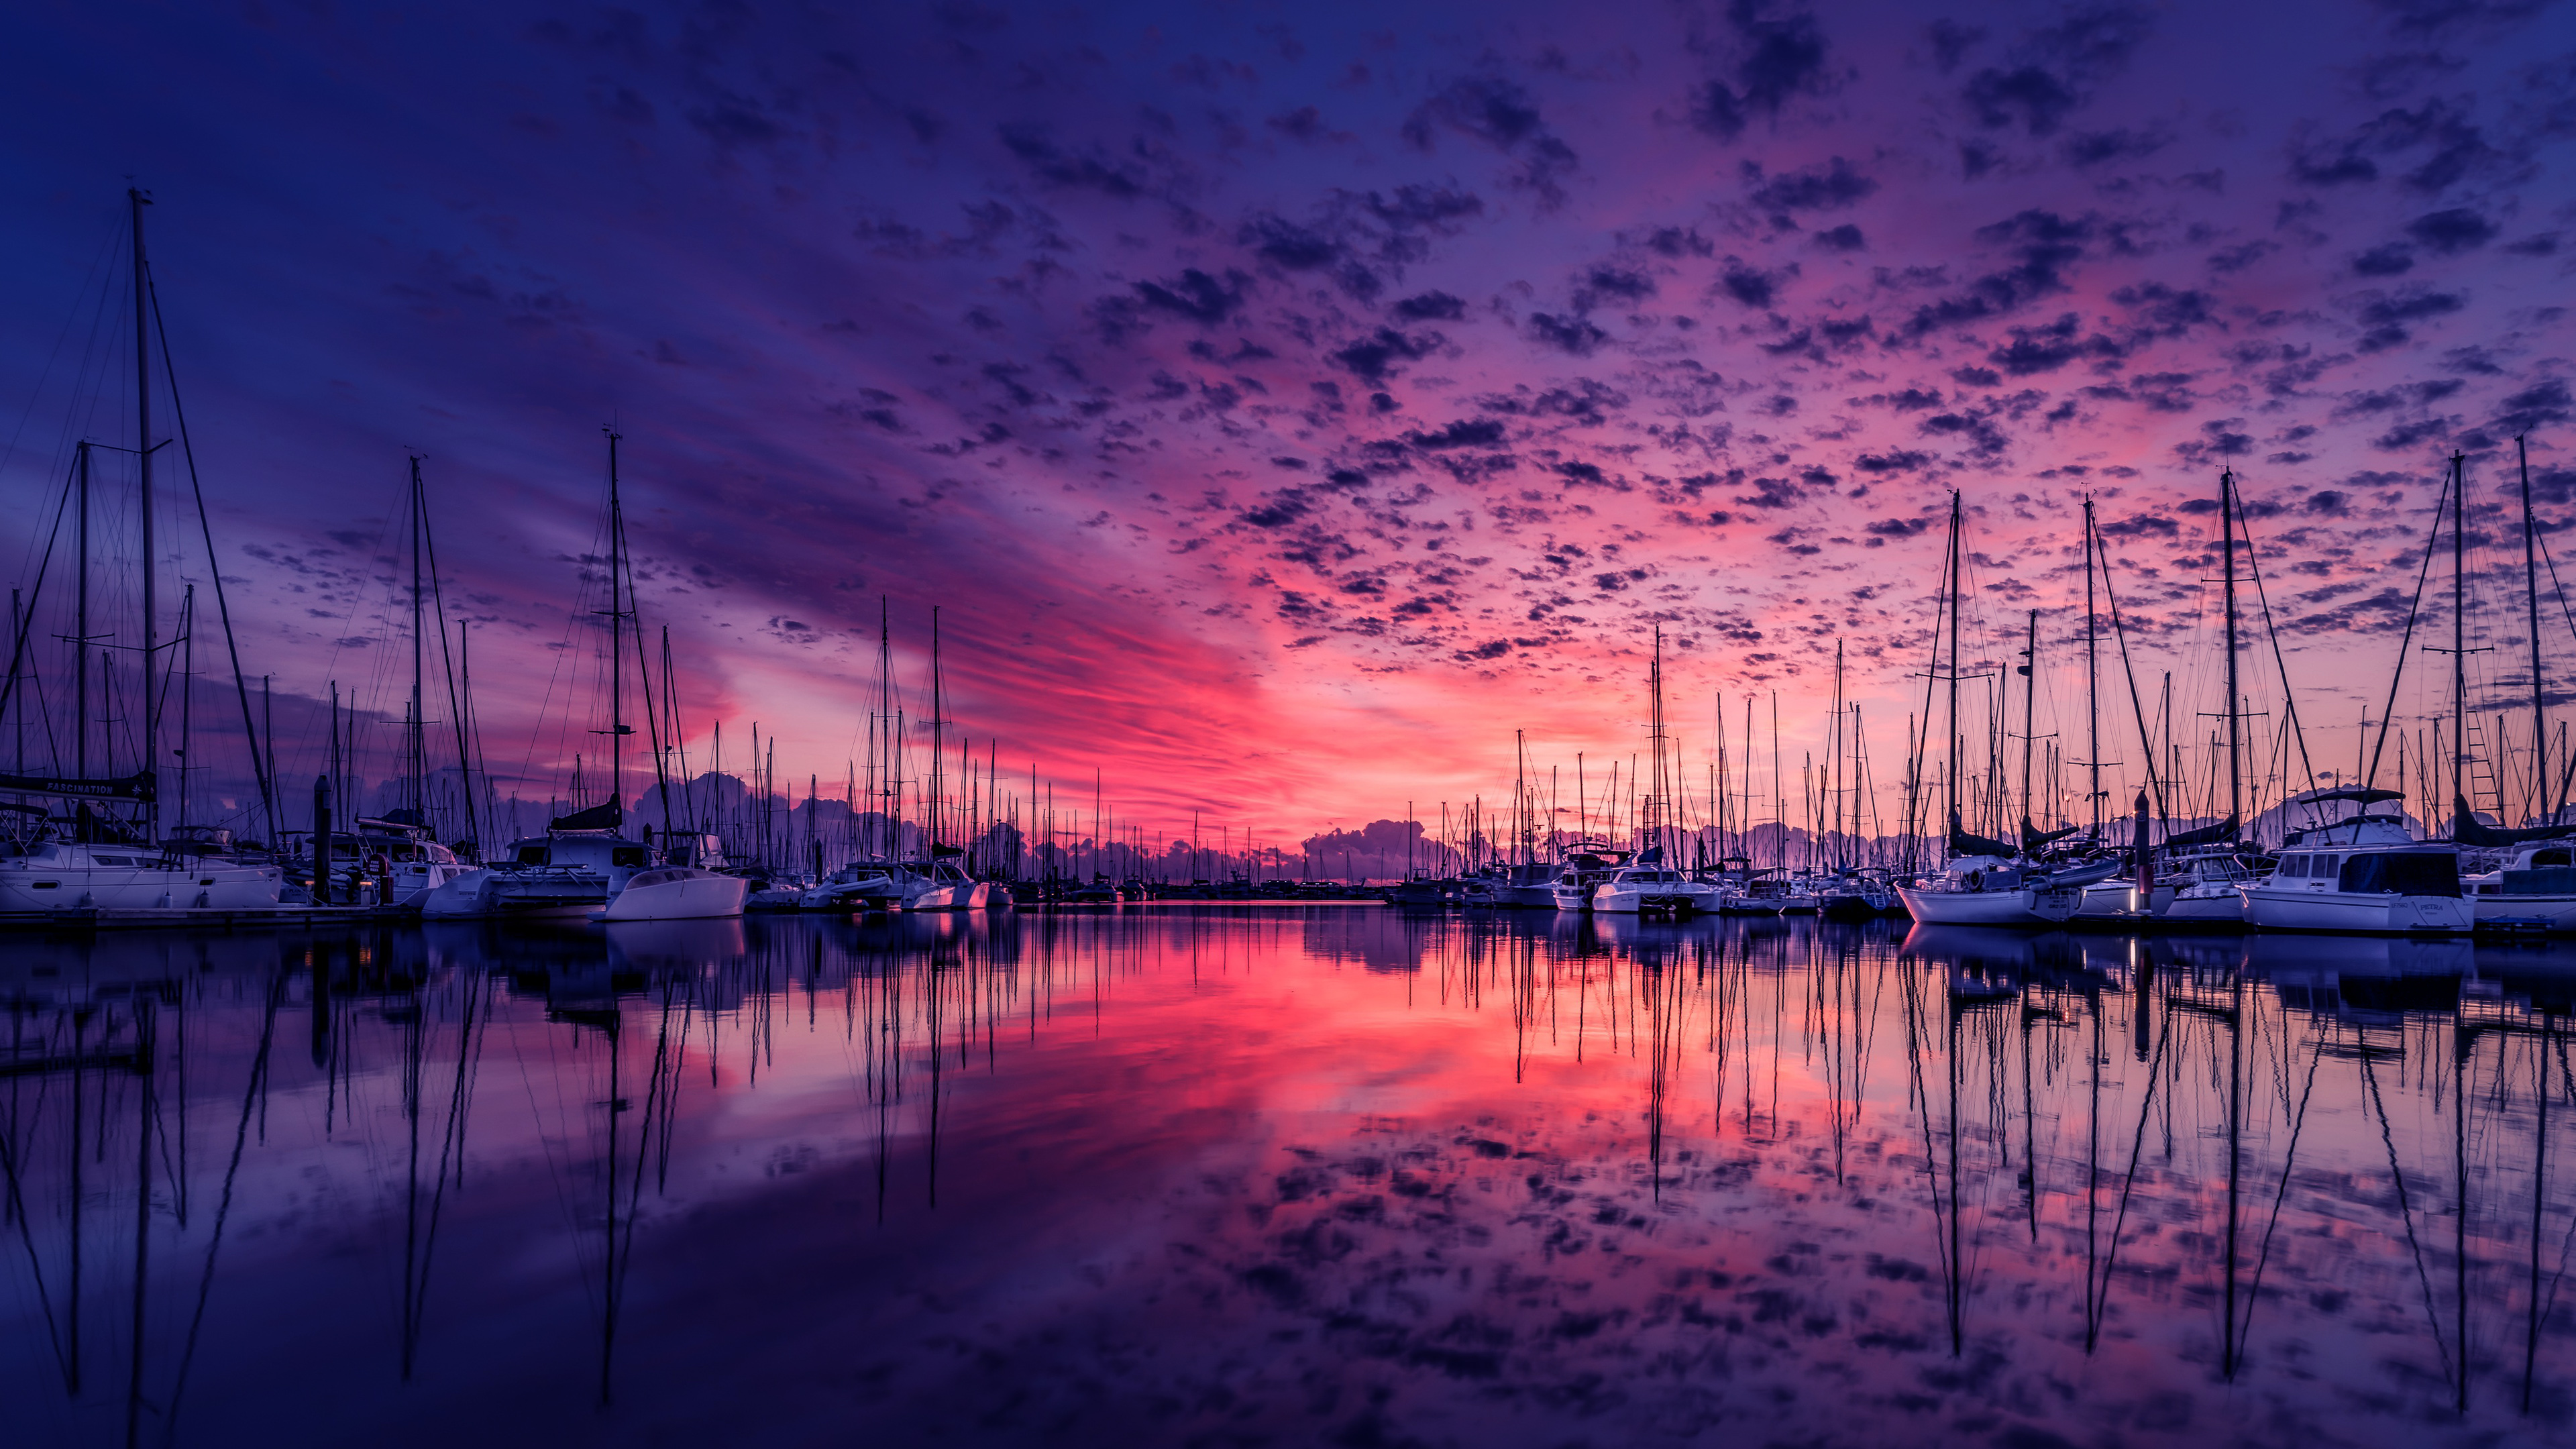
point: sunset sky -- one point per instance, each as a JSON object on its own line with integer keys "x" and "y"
{"x": 1284, "y": 404}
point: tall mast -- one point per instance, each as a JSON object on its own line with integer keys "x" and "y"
{"x": 2540, "y": 804}
{"x": 938, "y": 738}
{"x": 2029, "y": 707}
{"x": 616, "y": 634}
{"x": 136, "y": 201}
{"x": 80, "y": 620}
{"x": 2092, "y": 680}
{"x": 1951, "y": 785}
{"x": 2459, "y": 634}
{"x": 419, "y": 742}
{"x": 2235, "y": 721}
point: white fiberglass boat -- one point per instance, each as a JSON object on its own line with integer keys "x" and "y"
{"x": 1985, "y": 890}
{"x": 871, "y": 885}
{"x": 588, "y": 875}
{"x": 944, "y": 886}
{"x": 63, "y": 875}
{"x": 2534, "y": 882}
{"x": 1654, "y": 888}
{"x": 2368, "y": 874}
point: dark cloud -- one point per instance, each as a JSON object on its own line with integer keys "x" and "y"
{"x": 1374, "y": 356}
{"x": 2386, "y": 260}
{"x": 2100, "y": 148}
{"x": 2043, "y": 243}
{"x": 2385, "y": 315}
{"x": 2055, "y": 68}
{"x": 1430, "y": 307}
{"x": 1844, "y": 238}
{"x": 1829, "y": 187}
{"x": 1194, "y": 294}
{"x": 2034, "y": 350}
{"x": 2451, "y": 232}
{"x": 1464, "y": 433}
{"x": 1500, "y": 114}
{"x": 1089, "y": 169}
{"x": 1746, "y": 285}
{"x": 1776, "y": 56}
{"x": 1575, "y": 335}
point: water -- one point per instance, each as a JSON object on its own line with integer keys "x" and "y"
{"x": 1288, "y": 1176}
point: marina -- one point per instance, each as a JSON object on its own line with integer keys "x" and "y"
{"x": 1394, "y": 727}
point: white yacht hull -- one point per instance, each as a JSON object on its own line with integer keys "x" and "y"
{"x": 187, "y": 886}
{"x": 678, "y": 894}
{"x": 2367, "y": 913}
{"x": 954, "y": 896}
{"x": 1695, "y": 896}
{"x": 2559, "y": 911}
{"x": 1990, "y": 908}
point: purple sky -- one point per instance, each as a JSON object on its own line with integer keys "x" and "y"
{"x": 1285, "y": 404}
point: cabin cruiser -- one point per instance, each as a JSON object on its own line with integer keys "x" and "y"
{"x": 2533, "y": 881}
{"x": 2366, "y": 874}
{"x": 867, "y": 885}
{"x": 1650, "y": 885}
{"x": 188, "y": 873}
{"x": 389, "y": 860}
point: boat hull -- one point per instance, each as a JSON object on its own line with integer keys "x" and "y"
{"x": 2357, "y": 912}
{"x": 1693, "y": 897}
{"x": 1991, "y": 908}
{"x": 188, "y": 886}
{"x": 959, "y": 896}
{"x": 2558, "y": 911}
{"x": 525, "y": 896}
{"x": 678, "y": 895}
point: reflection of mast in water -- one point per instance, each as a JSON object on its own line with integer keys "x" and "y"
{"x": 618, "y": 1231}
{"x": 420, "y": 1223}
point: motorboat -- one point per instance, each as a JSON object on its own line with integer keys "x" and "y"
{"x": 580, "y": 870}
{"x": 863, "y": 885}
{"x": 1651, "y": 886}
{"x": 1582, "y": 871}
{"x": 2366, "y": 874}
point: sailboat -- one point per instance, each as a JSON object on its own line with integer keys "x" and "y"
{"x": 585, "y": 866}
{"x": 2532, "y": 883}
{"x": 110, "y": 853}
{"x": 1987, "y": 882}
{"x": 1649, "y": 883}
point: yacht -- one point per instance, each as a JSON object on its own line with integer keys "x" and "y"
{"x": 867, "y": 885}
{"x": 55, "y": 875}
{"x": 945, "y": 886}
{"x": 2366, "y": 874}
{"x": 575, "y": 873}
{"x": 1650, "y": 885}
{"x": 1581, "y": 872}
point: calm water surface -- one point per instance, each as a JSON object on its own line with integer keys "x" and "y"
{"x": 1291, "y": 1176}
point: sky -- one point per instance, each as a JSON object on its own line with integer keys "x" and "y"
{"x": 1283, "y": 406}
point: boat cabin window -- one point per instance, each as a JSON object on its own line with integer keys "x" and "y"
{"x": 532, "y": 855}
{"x": 2294, "y": 865}
{"x": 2560, "y": 856}
{"x": 626, "y": 857}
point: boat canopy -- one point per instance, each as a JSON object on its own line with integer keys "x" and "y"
{"x": 2033, "y": 838}
{"x": 602, "y": 816}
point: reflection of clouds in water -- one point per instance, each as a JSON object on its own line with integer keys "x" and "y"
{"x": 1519, "y": 1177}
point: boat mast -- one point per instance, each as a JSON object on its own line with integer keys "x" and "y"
{"x": 1951, "y": 785}
{"x": 80, "y": 621}
{"x": 2029, "y": 708}
{"x": 939, "y": 740}
{"x": 419, "y": 741}
{"x": 2092, "y": 681}
{"x": 616, "y": 635}
{"x": 2540, "y": 804}
{"x": 136, "y": 201}
{"x": 2235, "y": 721}
{"x": 2459, "y": 637}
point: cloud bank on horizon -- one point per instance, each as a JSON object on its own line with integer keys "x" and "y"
{"x": 1284, "y": 404}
